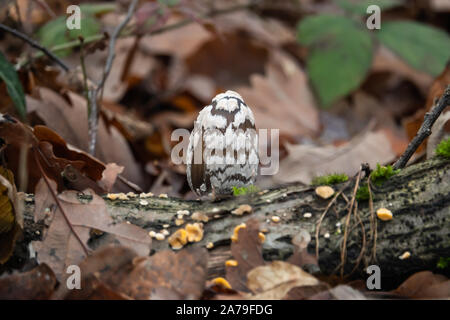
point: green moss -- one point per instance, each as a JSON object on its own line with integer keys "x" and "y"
{"x": 379, "y": 175}
{"x": 382, "y": 173}
{"x": 443, "y": 149}
{"x": 362, "y": 193}
{"x": 239, "y": 191}
{"x": 329, "y": 179}
{"x": 443, "y": 263}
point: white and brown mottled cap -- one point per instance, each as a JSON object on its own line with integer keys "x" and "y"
{"x": 223, "y": 147}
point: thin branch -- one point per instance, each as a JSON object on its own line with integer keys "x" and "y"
{"x": 46, "y": 7}
{"x": 347, "y": 222}
{"x": 97, "y": 93}
{"x": 322, "y": 216}
{"x": 425, "y": 129}
{"x": 34, "y": 44}
{"x": 169, "y": 27}
{"x": 373, "y": 221}
{"x": 36, "y": 158}
{"x": 112, "y": 45}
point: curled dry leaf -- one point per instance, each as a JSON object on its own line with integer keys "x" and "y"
{"x": 70, "y": 121}
{"x": 54, "y": 153}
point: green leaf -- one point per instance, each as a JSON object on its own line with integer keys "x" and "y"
{"x": 340, "y": 54}
{"x": 423, "y": 47}
{"x": 9, "y": 75}
{"x": 55, "y": 32}
{"x": 359, "y": 7}
{"x": 97, "y": 8}
{"x": 169, "y": 3}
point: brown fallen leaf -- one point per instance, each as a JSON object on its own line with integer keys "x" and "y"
{"x": 36, "y": 284}
{"x": 413, "y": 123}
{"x": 275, "y": 280}
{"x": 247, "y": 251}
{"x": 281, "y": 99}
{"x": 60, "y": 248}
{"x": 165, "y": 275}
{"x": 386, "y": 60}
{"x": 304, "y": 162}
{"x": 425, "y": 285}
{"x": 60, "y": 116}
{"x": 168, "y": 275}
{"x": 101, "y": 273}
{"x": 305, "y": 292}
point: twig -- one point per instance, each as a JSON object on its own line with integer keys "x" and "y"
{"x": 425, "y": 129}
{"x": 347, "y": 222}
{"x": 319, "y": 222}
{"x": 173, "y": 26}
{"x": 373, "y": 221}
{"x": 112, "y": 45}
{"x": 97, "y": 93}
{"x": 34, "y": 44}
{"x": 36, "y": 158}
{"x": 363, "y": 234}
{"x": 83, "y": 70}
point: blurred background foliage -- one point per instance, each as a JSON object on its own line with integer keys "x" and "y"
{"x": 339, "y": 93}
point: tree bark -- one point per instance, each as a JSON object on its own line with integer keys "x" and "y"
{"x": 418, "y": 197}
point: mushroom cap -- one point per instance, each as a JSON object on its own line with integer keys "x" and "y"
{"x": 223, "y": 147}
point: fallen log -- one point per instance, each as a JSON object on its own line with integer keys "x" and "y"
{"x": 418, "y": 197}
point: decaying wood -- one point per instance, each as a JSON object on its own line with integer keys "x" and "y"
{"x": 419, "y": 198}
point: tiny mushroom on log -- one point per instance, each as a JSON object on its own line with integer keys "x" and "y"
{"x": 384, "y": 214}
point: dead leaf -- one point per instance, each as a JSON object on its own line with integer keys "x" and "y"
{"x": 247, "y": 251}
{"x": 425, "y": 285}
{"x": 282, "y": 99}
{"x": 304, "y": 162}
{"x": 412, "y": 124}
{"x": 60, "y": 117}
{"x": 109, "y": 176}
{"x": 101, "y": 273}
{"x": 60, "y": 248}
{"x": 275, "y": 280}
{"x": 385, "y": 60}
{"x": 36, "y": 284}
{"x": 305, "y": 292}
{"x": 168, "y": 275}
{"x": 165, "y": 275}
